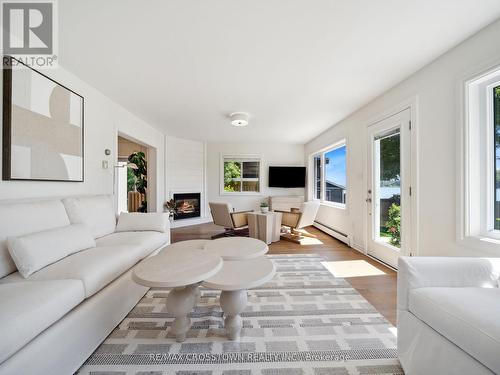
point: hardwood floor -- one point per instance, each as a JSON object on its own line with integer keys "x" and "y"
{"x": 379, "y": 290}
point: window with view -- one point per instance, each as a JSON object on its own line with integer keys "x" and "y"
{"x": 241, "y": 175}
{"x": 331, "y": 185}
{"x": 496, "y": 125}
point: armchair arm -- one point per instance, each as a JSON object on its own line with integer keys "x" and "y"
{"x": 290, "y": 219}
{"x": 240, "y": 219}
{"x": 421, "y": 272}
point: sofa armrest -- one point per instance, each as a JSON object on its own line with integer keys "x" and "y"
{"x": 423, "y": 272}
{"x": 135, "y": 221}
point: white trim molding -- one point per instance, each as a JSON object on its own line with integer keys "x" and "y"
{"x": 241, "y": 157}
{"x": 343, "y": 142}
{"x": 475, "y": 213}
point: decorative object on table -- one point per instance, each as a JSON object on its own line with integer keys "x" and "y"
{"x": 141, "y": 172}
{"x": 264, "y": 207}
{"x": 234, "y": 223}
{"x": 297, "y": 219}
{"x": 171, "y": 207}
{"x": 265, "y": 227}
{"x": 42, "y": 127}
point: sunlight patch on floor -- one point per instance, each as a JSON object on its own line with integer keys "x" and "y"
{"x": 352, "y": 268}
{"x": 310, "y": 241}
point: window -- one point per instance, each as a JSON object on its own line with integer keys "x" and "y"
{"x": 481, "y": 191}
{"x": 330, "y": 178}
{"x": 317, "y": 177}
{"x": 241, "y": 175}
{"x": 496, "y": 151}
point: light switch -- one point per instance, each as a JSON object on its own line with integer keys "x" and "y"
{"x": 104, "y": 164}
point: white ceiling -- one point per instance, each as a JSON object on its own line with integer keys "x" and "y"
{"x": 297, "y": 66}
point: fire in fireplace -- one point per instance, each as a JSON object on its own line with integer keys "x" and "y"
{"x": 187, "y": 205}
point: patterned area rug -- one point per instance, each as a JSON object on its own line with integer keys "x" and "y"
{"x": 305, "y": 321}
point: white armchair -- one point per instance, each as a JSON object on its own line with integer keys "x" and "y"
{"x": 448, "y": 315}
{"x": 298, "y": 219}
{"x": 234, "y": 223}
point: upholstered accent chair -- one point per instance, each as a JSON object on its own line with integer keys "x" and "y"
{"x": 297, "y": 219}
{"x": 234, "y": 223}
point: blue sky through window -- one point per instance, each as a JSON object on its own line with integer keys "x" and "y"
{"x": 335, "y": 170}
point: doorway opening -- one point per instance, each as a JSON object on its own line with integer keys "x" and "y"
{"x": 132, "y": 176}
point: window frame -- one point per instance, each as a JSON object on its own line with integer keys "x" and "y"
{"x": 321, "y": 154}
{"x": 476, "y": 214}
{"x": 240, "y": 158}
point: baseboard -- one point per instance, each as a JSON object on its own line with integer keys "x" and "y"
{"x": 358, "y": 247}
{"x": 192, "y": 221}
{"x": 332, "y": 232}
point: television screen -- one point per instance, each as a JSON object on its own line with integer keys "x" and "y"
{"x": 287, "y": 177}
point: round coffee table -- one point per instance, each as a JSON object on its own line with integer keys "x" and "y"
{"x": 186, "y": 245}
{"x": 236, "y": 248}
{"x": 234, "y": 278}
{"x": 183, "y": 271}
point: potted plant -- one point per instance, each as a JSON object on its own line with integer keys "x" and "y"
{"x": 171, "y": 208}
{"x": 264, "y": 207}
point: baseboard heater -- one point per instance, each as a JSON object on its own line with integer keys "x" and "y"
{"x": 333, "y": 232}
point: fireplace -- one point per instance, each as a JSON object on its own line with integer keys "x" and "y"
{"x": 187, "y": 205}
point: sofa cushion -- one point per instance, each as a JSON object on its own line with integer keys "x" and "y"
{"x": 28, "y": 308}
{"x": 95, "y": 267}
{"x": 17, "y": 219}
{"x": 468, "y": 317}
{"x": 137, "y": 221}
{"x": 96, "y": 212}
{"x": 34, "y": 251}
{"x": 149, "y": 241}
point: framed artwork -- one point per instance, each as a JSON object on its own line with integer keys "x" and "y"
{"x": 42, "y": 127}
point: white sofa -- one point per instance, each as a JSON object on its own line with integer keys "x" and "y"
{"x": 449, "y": 315}
{"x": 51, "y": 321}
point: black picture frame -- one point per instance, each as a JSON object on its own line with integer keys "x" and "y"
{"x": 7, "y": 122}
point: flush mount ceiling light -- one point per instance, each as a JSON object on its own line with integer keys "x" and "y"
{"x": 239, "y": 118}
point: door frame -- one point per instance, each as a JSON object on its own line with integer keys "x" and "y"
{"x": 151, "y": 158}
{"x": 412, "y": 104}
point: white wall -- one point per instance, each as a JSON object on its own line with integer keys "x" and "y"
{"x": 270, "y": 153}
{"x": 437, "y": 87}
{"x": 185, "y": 168}
{"x": 103, "y": 120}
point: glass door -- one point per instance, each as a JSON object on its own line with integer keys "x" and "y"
{"x": 389, "y": 191}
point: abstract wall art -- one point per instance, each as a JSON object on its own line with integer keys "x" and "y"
{"x": 42, "y": 127}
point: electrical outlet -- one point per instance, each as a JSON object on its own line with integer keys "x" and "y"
{"x": 104, "y": 164}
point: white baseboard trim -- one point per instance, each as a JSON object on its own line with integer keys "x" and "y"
{"x": 192, "y": 221}
{"x": 358, "y": 247}
{"x": 335, "y": 234}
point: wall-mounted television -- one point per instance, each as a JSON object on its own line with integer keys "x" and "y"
{"x": 287, "y": 177}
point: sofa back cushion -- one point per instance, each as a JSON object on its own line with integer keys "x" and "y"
{"x": 17, "y": 219}
{"x": 34, "y": 251}
{"x": 96, "y": 212}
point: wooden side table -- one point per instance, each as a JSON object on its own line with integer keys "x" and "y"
{"x": 265, "y": 227}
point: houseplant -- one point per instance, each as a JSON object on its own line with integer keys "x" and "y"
{"x": 141, "y": 182}
{"x": 171, "y": 208}
{"x": 264, "y": 207}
